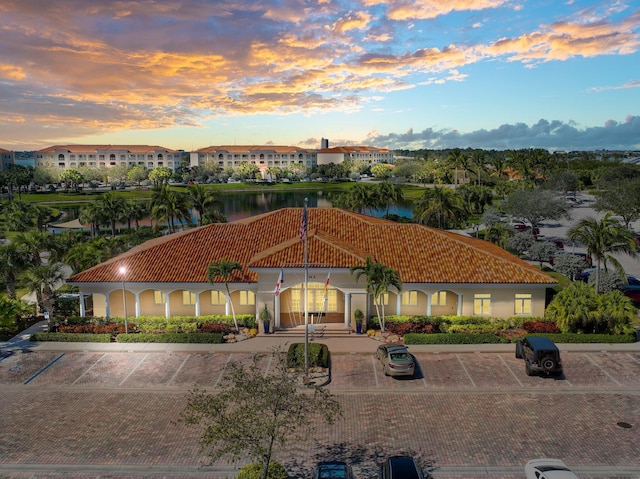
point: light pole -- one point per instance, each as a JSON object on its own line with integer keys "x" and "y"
{"x": 123, "y": 272}
{"x": 476, "y": 227}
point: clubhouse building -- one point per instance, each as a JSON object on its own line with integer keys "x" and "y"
{"x": 442, "y": 273}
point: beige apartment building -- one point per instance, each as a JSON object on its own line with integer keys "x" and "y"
{"x": 107, "y": 156}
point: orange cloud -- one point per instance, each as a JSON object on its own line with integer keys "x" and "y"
{"x": 401, "y": 10}
{"x": 12, "y": 72}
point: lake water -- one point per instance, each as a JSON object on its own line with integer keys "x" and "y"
{"x": 239, "y": 205}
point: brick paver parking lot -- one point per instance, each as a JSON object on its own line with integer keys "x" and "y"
{"x": 113, "y": 414}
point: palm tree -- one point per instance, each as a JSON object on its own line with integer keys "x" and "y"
{"x": 169, "y": 206}
{"x": 224, "y": 269}
{"x": 93, "y": 215}
{"x": 439, "y": 207}
{"x": 379, "y": 279}
{"x": 602, "y": 237}
{"x": 478, "y": 160}
{"x": 43, "y": 281}
{"x": 12, "y": 259}
{"x": 363, "y": 197}
{"x": 201, "y": 199}
{"x": 389, "y": 193}
{"x": 455, "y": 160}
{"x": 112, "y": 208}
{"x": 32, "y": 243}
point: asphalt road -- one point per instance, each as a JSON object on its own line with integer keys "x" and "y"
{"x": 91, "y": 414}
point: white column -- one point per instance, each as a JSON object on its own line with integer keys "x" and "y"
{"x": 82, "y": 305}
{"x": 197, "y": 304}
{"x": 107, "y": 308}
{"x": 276, "y": 311}
{"x": 428, "y": 304}
{"x": 227, "y": 305}
{"x": 137, "y": 304}
{"x": 167, "y": 307}
{"x": 459, "y": 312}
{"x": 399, "y": 303}
{"x": 347, "y": 310}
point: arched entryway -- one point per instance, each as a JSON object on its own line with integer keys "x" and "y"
{"x": 324, "y": 305}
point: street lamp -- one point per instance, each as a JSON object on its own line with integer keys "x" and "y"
{"x": 123, "y": 272}
{"x": 476, "y": 227}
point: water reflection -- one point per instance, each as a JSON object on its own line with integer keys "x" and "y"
{"x": 238, "y": 205}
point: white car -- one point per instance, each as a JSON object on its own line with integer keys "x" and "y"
{"x": 548, "y": 469}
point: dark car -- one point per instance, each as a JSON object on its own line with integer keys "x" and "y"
{"x": 540, "y": 354}
{"x": 332, "y": 470}
{"x": 396, "y": 360}
{"x": 632, "y": 292}
{"x": 400, "y": 467}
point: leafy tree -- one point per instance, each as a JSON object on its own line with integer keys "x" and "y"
{"x": 564, "y": 181}
{"x": 251, "y": 412}
{"x": 247, "y": 171}
{"x": 224, "y": 269}
{"x": 521, "y": 242}
{"x": 542, "y": 251}
{"x": 569, "y": 264}
{"x": 456, "y": 160}
{"x": 498, "y": 234}
{"x": 72, "y": 177}
{"x": 382, "y": 172}
{"x": 475, "y": 197}
{"x": 535, "y": 206}
{"x": 12, "y": 260}
{"x": 607, "y": 281}
{"x": 94, "y": 215}
{"x": 160, "y": 175}
{"x": 11, "y": 311}
{"x": 380, "y": 278}
{"x": 601, "y": 238}
{"x": 622, "y": 198}
{"x": 491, "y": 217}
{"x": 137, "y": 174}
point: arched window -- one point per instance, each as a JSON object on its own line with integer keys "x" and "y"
{"x": 315, "y": 299}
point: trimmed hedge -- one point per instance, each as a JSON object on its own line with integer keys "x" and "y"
{"x": 193, "y": 338}
{"x": 318, "y": 355}
{"x": 577, "y": 338}
{"x": 444, "y": 338}
{"x": 71, "y": 337}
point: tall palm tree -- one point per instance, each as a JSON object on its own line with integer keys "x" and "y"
{"x": 478, "y": 160}
{"x": 32, "y": 243}
{"x": 170, "y": 206}
{"x": 601, "y": 238}
{"x": 224, "y": 269}
{"x": 201, "y": 199}
{"x": 455, "y": 161}
{"x": 93, "y": 215}
{"x": 12, "y": 260}
{"x": 363, "y": 197}
{"x": 389, "y": 193}
{"x": 43, "y": 281}
{"x": 439, "y": 207}
{"x": 380, "y": 278}
{"x": 112, "y": 207}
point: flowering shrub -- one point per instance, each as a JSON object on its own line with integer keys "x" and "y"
{"x": 540, "y": 327}
{"x": 220, "y": 328}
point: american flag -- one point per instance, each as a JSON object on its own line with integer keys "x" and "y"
{"x": 279, "y": 282}
{"x": 303, "y": 226}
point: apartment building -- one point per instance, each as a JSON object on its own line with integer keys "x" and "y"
{"x": 261, "y": 156}
{"x": 107, "y": 156}
{"x": 7, "y": 159}
{"x": 369, "y": 154}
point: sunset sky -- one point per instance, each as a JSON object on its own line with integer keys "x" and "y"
{"x": 186, "y": 74}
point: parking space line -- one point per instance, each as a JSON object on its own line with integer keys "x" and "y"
{"x": 512, "y": 373}
{"x": 134, "y": 369}
{"x": 178, "y": 370}
{"x": 222, "y": 371}
{"x": 600, "y": 368}
{"x": 465, "y": 370}
{"x": 44, "y": 369}
{"x": 375, "y": 371}
{"x": 88, "y": 369}
{"x": 632, "y": 358}
{"x": 6, "y": 355}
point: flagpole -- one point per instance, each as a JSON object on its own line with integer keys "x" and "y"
{"x": 306, "y": 288}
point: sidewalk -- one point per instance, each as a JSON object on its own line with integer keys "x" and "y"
{"x": 353, "y": 344}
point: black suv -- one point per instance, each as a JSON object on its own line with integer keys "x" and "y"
{"x": 400, "y": 467}
{"x": 540, "y": 355}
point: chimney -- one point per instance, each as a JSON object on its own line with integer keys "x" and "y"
{"x": 324, "y": 143}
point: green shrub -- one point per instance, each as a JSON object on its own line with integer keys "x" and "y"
{"x": 254, "y": 471}
{"x": 318, "y": 355}
{"x": 71, "y": 337}
{"x": 577, "y": 338}
{"x": 193, "y": 338}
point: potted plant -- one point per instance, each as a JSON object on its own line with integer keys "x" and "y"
{"x": 358, "y": 315}
{"x": 265, "y": 317}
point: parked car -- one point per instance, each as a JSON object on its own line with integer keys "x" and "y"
{"x": 332, "y": 470}
{"x": 632, "y": 292}
{"x": 396, "y": 360}
{"x": 400, "y": 467}
{"x": 548, "y": 469}
{"x": 540, "y": 354}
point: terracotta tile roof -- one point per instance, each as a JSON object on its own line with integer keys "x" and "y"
{"x": 95, "y": 148}
{"x": 354, "y": 149}
{"x": 337, "y": 239}
{"x": 2, "y": 150}
{"x": 253, "y": 148}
